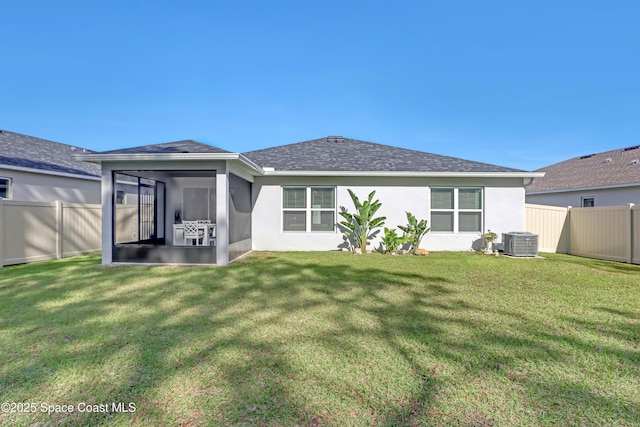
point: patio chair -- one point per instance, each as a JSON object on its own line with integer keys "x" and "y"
{"x": 210, "y": 231}
{"x": 194, "y": 232}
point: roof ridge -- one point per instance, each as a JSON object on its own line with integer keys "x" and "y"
{"x": 361, "y": 141}
{"x": 314, "y": 155}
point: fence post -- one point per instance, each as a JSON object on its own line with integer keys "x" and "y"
{"x": 631, "y": 231}
{"x": 1, "y": 232}
{"x": 568, "y": 222}
{"x": 59, "y": 230}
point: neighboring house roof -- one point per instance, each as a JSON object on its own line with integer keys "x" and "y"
{"x": 185, "y": 146}
{"x": 345, "y": 154}
{"x": 23, "y": 152}
{"x": 615, "y": 168}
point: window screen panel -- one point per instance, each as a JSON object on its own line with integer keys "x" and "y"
{"x": 442, "y": 198}
{"x": 195, "y": 202}
{"x": 294, "y": 197}
{"x": 470, "y": 221}
{"x": 470, "y": 198}
{"x": 294, "y": 221}
{"x": 322, "y": 198}
{"x": 322, "y": 221}
{"x": 441, "y": 221}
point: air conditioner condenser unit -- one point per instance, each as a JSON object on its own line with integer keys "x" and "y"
{"x": 519, "y": 243}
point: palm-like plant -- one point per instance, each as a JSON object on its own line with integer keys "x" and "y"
{"x": 415, "y": 230}
{"x": 362, "y": 223}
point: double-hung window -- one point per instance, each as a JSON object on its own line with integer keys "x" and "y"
{"x": 456, "y": 210}
{"x": 307, "y": 209}
{"x": 5, "y": 188}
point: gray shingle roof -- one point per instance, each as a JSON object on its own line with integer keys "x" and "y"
{"x": 344, "y": 154}
{"x": 608, "y": 168}
{"x": 36, "y": 153}
{"x": 186, "y": 146}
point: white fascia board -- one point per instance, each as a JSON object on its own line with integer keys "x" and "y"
{"x": 596, "y": 187}
{"x": 245, "y": 161}
{"x": 99, "y": 158}
{"x": 45, "y": 172}
{"x": 409, "y": 174}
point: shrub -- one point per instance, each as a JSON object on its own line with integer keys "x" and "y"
{"x": 391, "y": 241}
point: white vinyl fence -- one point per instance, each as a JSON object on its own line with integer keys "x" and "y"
{"x": 608, "y": 232}
{"x": 635, "y": 248}
{"x": 35, "y": 231}
{"x": 126, "y": 220}
{"x": 551, "y": 225}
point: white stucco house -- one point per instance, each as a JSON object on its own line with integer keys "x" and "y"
{"x": 38, "y": 170}
{"x": 289, "y": 197}
{"x": 610, "y": 178}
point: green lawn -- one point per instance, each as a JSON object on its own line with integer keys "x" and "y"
{"x": 325, "y": 338}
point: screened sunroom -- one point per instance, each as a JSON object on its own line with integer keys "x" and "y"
{"x": 175, "y": 208}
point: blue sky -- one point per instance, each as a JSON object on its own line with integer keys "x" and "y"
{"x": 516, "y": 83}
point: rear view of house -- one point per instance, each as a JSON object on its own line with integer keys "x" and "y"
{"x": 289, "y": 198}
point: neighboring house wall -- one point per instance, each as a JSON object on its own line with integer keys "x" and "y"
{"x": 503, "y": 209}
{"x": 41, "y": 187}
{"x": 602, "y": 197}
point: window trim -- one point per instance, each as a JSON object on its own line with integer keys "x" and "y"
{"x": 456, "y": 210}
{"x": 9, "y": 187}
{"x": 308, "y": 209}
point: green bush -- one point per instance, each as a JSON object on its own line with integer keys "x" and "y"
{"x": 391, "y": 241}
